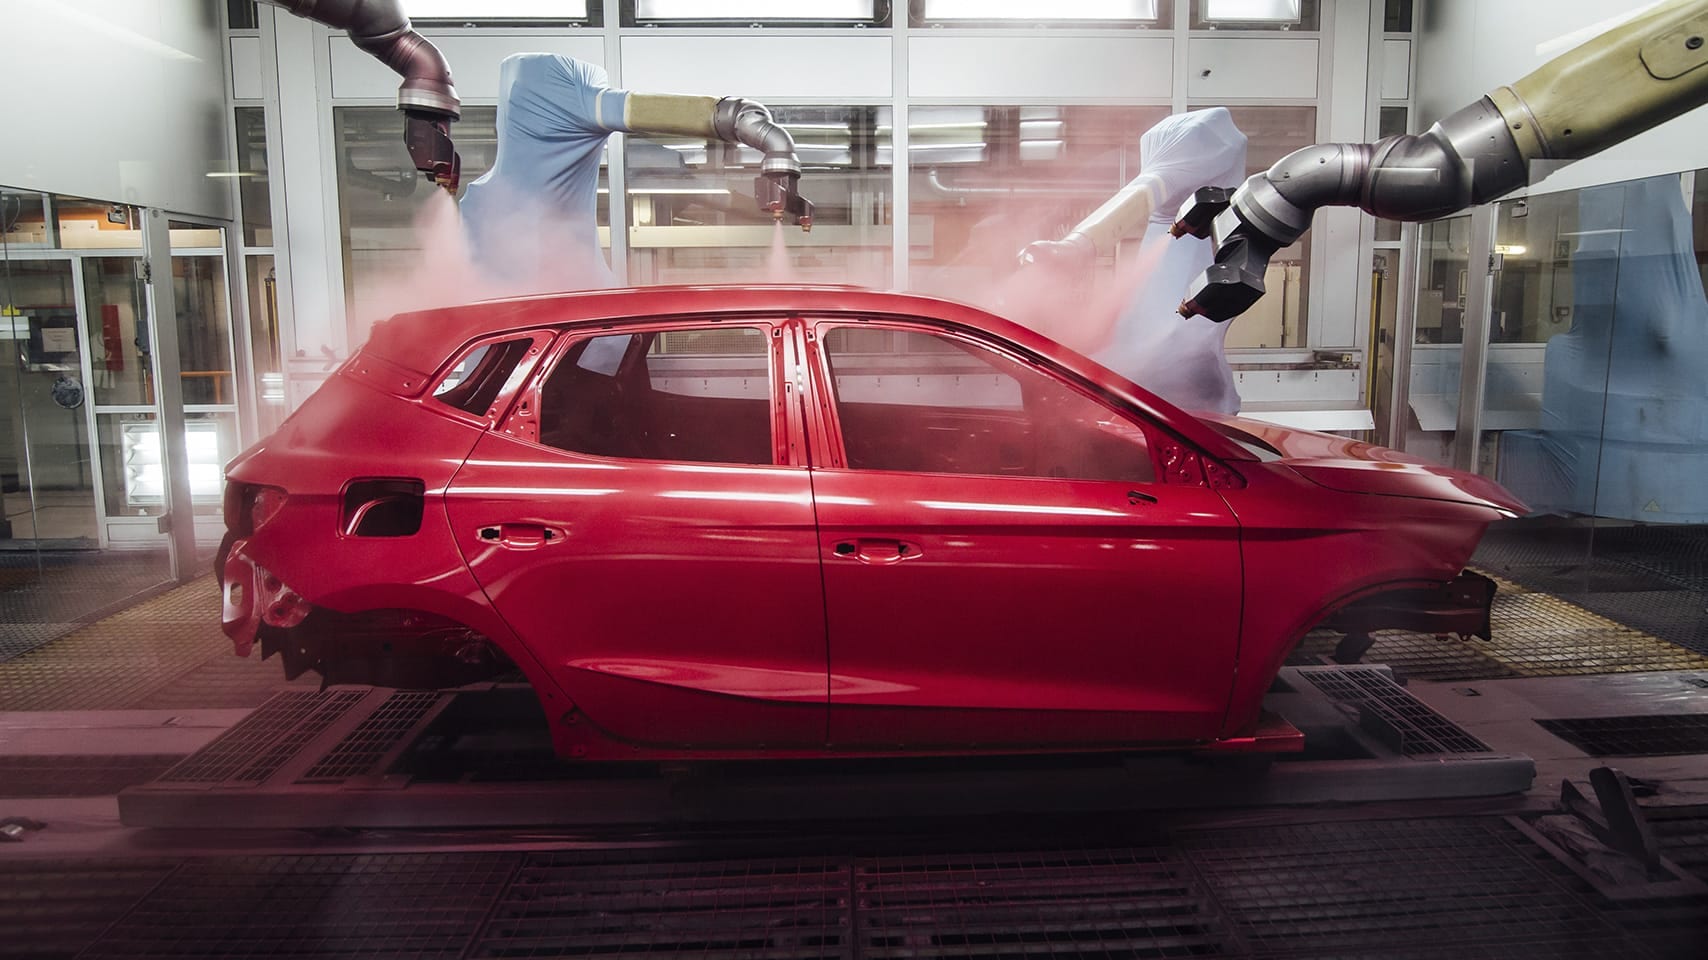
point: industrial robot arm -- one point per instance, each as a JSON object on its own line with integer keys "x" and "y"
{"x": 1120, "y": 216}
{"x": 426, "y": 97}
{"x": 1630, "y": 79}
{"x": 732, "y": 120}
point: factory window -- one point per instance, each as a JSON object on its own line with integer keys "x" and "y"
{"x": 922, "y": 402}
{"x": 1255, "y": 15}
{"x": 701, "y": 396}
{"x": 694, "y": 217}
{"x": 401, "y": 248}
{"x": 986, "y": 181}
{"x": 240, "y": 14}
{"x": 252, "y": 179}
{"x": 679, "y": 13}
{"x": 1396, "y": 16}
{"x": 507, "y": 12}
{"x": 1027, "y": 13}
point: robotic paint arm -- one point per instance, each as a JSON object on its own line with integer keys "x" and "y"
{"x": 426, "y": 97}
{"x": 1120, "y": 216}
{"x": 1634, "y": 77}
{"x": 733, "y": 120}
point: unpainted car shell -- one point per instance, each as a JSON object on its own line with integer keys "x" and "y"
{"x": 1318, "y": 522}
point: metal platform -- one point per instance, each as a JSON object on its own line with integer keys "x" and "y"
{"x": 364, "y": 757}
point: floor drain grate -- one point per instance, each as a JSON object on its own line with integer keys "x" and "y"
{"x": 1417, "y": 729}
{"x": 572, "y": 904}
{"x": 363, "y": 748}
{"x": 1641, "y": 736}
{"x": 266, "y": 738}
{"x": 1463, "y": 888}
{"x": 1131, "y": 902}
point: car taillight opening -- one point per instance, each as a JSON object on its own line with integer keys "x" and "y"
{"x": 248, "y": 506}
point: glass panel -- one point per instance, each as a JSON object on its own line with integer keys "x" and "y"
{"x": 1384, "y": 324}
{"x": 1396, "y": 16}
{"x": 1254, "y": 14}
{"x": 204, "y": 329}
{"x": 495, "y": 9}
{"x": 1391, "y": 123}
{"x": 45, "y": 222}
{"x": 695, "y": 396}
{"x": 253, "y": 183}
{"x": 48, "y": 449}
{"x": 924, "y": 403}
{"x": 986, "y": 181}
{"x": 1443, "y": 276}
{"x": 266, "y": 352}
{"x": 695, "y": 219}
{"x": 1278, "y": 319}
{"x": 755, "y": 9}
{"x": 131, "y": 461}
{"x": 381, "y": 196}
{"x": 117, "y": 327}
{"x": 241, "y": 14}
{"x": 1029, "y": 10}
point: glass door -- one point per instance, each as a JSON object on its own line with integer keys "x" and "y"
{"x": 201, "y": 294}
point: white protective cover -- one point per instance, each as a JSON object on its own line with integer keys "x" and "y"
{"x": 531, "y": 220}
{"x": 1181, "y": 359}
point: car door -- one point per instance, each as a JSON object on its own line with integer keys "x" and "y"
{"x": 1002, "y": 567}
{"x": 638, "y": 521}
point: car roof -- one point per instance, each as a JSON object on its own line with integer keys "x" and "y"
{"x": 420, "y": 341}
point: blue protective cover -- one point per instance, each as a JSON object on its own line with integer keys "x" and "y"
{"x": 1180, "y": 359}
{"x": 1624, "y": 429}
{"x": 531, "y": 220}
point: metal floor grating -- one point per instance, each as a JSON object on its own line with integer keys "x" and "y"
{"x": 374, "y": 906}
{"x": 1440, "y": 887}
{"x": 78, "y": 775}
{"x": 252, "y": 750}
{"x": 767, "y": 909}
{"x": 1655, "y": 735}
{"x": 1395, "y": 714}
{"x": 363, "y": 748}
{"x": 1420, "y": 656}
{"x": 57, "y": 908}
{"x": 1122, "y": 902}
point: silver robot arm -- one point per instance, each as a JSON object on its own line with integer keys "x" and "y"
{"x": 1630, "y": 79}
{"x": 732, "y": 120}
{"x": 426, "y": 97}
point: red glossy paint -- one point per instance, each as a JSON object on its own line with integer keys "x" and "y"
{"x": 806, "y": 607}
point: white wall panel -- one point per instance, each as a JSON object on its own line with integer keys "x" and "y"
{"x": 1467, "y": 49}
{"x": 800, "y": 68}
{"x": 999, "y": 68}
{"x": 474, "y": 63}
{"x": 118, "y": 100}
{"x": 246, "y": 68}
{"x": 1251, "y": 68}
{"x": 1396, "y": 69}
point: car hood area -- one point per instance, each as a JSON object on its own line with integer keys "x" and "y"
{"x": 1353, "y": 466}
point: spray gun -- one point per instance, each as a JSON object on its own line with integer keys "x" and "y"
{"x": 777, "y": 188}
{"x": 426, "y": 97}
{"x": 1632, "y": 78}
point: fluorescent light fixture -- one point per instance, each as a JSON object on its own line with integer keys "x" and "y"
{"x": 232, "y": 173}
{"x": 1252, "y": 11}
{"x": 680, "y": 191}
{"x": 145, "y": 482}
{"x": 755, "y": 9}
{"x": 1511, "y": 249}
{"x": 495, "y": 9}
{"x": 1032, "y": 10}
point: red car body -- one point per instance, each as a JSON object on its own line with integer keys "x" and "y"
{"x": 901, "y": 563}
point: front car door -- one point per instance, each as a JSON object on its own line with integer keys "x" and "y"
{"x": 638, "y": 522}
{"x": 1002, "y": 566}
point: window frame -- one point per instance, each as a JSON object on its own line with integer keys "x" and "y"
{"x": 883, "y": 11}
{"x": 784, "y": 427}
{"x": 514, "y": 386}
{"x": 830, "y": 448}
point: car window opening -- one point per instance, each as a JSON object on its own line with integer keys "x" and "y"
{"x": 473, "y": 384}
{"x": 697, "y": 395}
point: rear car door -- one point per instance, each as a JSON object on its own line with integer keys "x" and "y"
{"x": 640, "y": 522}
{"x": 1002, "y": 565}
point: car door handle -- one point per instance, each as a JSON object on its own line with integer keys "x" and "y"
{"x": 520, "y": 536}
{"x": 1136, "y": 497}
{"x": 876, "y": 550}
